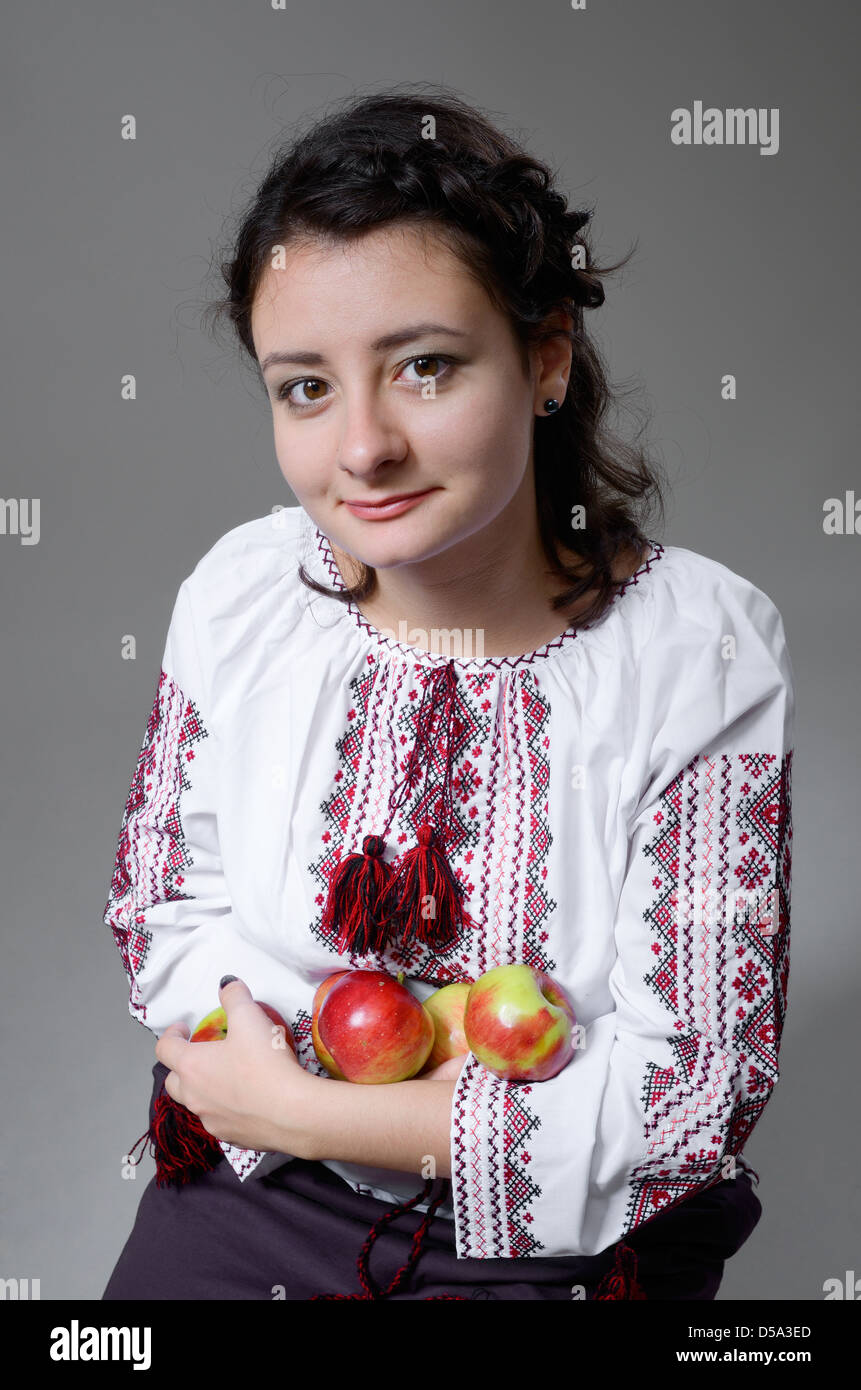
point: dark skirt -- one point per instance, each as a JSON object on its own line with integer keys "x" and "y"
{"x": 299, "y": 1231}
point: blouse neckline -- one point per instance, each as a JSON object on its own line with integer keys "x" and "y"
{"x": 547, "y": 650}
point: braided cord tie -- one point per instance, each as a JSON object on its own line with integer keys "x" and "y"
{"x": 366, "y": 1279}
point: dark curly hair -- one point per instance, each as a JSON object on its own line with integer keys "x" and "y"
{"x": 495, "y": 207}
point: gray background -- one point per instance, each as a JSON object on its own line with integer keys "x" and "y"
{"x": 746, "y": 264}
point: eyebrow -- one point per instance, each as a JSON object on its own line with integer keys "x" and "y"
{"x": 399, "y": 338}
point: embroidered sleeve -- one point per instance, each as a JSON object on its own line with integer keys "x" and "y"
{"x": 167, "y": 894}
{"x": 665, "y": 1089}
{"x": 169, "y": 907}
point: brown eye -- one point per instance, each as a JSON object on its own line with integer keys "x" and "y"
{"x": 419, "y": 360}
{"x": 441, "y": 367}
{"x": 312, "y": 382}
{"x": 431, "y": 367}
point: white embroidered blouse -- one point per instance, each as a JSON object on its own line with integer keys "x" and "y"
{"x": 623, "y": 822}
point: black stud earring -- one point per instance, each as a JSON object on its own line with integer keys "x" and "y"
{"x": 551, "y": 405}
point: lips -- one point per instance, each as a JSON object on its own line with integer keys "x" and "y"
{"x": 387, "y": 509}
{"x": 386, "y": 501}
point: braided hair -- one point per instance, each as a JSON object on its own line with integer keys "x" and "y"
{"x": 427, "y": 157}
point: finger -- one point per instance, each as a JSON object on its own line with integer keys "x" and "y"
{"x": 176, "y": 1030}
{"x": 230, "y": 987}
{"x": 236, "y": 1000}
{"x": 171, "y": 1045}
{"x": 447, "y": 1070}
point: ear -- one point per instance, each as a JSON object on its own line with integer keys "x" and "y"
{"x": 552, "y": 359}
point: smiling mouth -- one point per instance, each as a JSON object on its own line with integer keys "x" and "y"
{"x": 386, "y": 501}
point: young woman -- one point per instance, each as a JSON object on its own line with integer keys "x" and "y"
{"x": 596, "y": 779}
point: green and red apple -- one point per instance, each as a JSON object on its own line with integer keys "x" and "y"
{"x": 446, "y": 1007}
{"x": 519, "y": 1023}
{"x": 213, "y": 1028}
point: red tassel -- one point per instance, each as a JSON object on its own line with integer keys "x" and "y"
{"x": 356, "y": 889}
{"x": 424, "y": 872}
{"x": 621, "y": 1282}
{"x": 183, "y": 1149}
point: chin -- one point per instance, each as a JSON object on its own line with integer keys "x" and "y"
{"x": 385, "y": 544}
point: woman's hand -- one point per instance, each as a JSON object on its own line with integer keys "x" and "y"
{"x": 248, "y": 1089}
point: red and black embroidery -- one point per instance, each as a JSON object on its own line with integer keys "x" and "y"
{"x": 498, "y": 835}
{"x": 301, "y": 1029}
{"x": 765, "y": 815}
{"x": 494, "y": 1197}
{"x": 152, "y": 852}
{"x": 715, "y": 938}
{"x": 520, "y": 1190}
{"x": 517, "y": 828}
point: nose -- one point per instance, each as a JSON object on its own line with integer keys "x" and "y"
{"x": 371, "y": 436}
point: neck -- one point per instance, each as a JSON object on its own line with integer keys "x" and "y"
{"x": 490, "y": 592}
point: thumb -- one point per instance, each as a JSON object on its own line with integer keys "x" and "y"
{"x": 446, "y": 1071}
{"x": 231, "y": 991}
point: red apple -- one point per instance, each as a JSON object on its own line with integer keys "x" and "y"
{"x": 446, "y": 1007}
{"x": 213, "y": 1028}
{"x": 374, "y": 1029}
{"x": 325, "y": 1057}
{"x": 519, "y": 1023}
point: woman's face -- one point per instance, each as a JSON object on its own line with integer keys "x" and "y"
{"x": 353, "y": 416}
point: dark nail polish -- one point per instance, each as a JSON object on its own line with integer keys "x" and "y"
{"x": 226, "y": 979}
